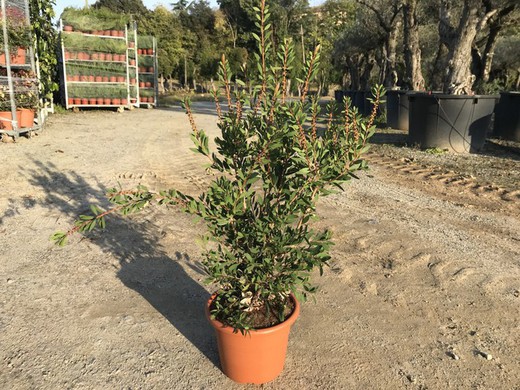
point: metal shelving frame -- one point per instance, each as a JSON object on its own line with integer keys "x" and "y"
{"x": 126, "y": 62}
{"x": 8, "y": 80}
{"x": 155, "y": 76}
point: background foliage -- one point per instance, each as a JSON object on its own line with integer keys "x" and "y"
{"x": 362, "y": 41}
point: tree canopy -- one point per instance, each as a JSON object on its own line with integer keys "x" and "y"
{"x": 465, "y": 45}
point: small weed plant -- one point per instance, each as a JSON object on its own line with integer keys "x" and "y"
{"x": 274, "y": 159}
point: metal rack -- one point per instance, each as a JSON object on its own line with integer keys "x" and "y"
{"x": 78, "y": 92}
{"x": 15, "y": 86}
{"x": 154, "y": 73}
{"x": 123, "y": 81}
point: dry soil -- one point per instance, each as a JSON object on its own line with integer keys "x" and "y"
{"x": 423, "y": 291}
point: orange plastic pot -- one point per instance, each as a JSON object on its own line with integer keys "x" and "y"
{"x": 26, "y": 117}
{"x": 257, "y": 357}
{"x": 6, "y": 119}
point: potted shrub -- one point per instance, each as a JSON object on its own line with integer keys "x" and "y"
{"x": 455, "y": 119}
{"x": 271, "y": 166}
{"x": 18, "y": 35}
{"x": 26, "y": 96}
{"x": 6, "y": 114}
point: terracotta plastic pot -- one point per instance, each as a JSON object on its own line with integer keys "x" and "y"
{"x": 75, "y": 77}
{"x": 112, "y": 79}
{"x": 26, "y": 117}
{"x": 120, "y": 79}
{"x": 6, "y": 118}
{"x": 99, "y": 101}
{"x": 124, "y": 102}
{"x": 107, "y": 101}
{"x": 139, "y": 51}
{"x": 77, "y": 100}
{"x": 148, "y": 84}
{"x": 94, "y": 56}
{"x": 84, "y": 101}
{"x": 141, "y": 84}
{"x": 150, "y": 69}
{"x": 70, "y": 101}
{"x": 67, "y": 28}
{"x": 132, "y": 62}
{"x": 91, "y": 78}
{"x": 149, "y": 51}
{"x": 108, "y": 57}
{"x": 116, "y": 102}
{"x": 257, "y": 357}
{"x": 105, "y": 79}
{"x": 98, "y": 79}
{"x": 17, "y": 58}
{"x": 83, "y": 78}
{"x": 131, "y": 44}
{"x": 102, "y": 56}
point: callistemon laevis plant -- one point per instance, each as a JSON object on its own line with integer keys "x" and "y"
{"x": 274, "y": 158}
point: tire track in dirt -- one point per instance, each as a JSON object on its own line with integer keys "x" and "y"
{"x": 403, "y": 235}
{"x": 454, "y": 183}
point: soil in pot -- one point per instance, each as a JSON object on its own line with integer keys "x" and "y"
{"x": 256, "y": 357}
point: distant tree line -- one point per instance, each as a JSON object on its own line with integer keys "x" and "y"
{"x": 458, "y": 46}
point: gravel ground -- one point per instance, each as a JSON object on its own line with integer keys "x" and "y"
{"x": 423, "y": 291}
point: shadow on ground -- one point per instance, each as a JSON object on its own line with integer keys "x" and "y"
{"x": 145, "y": 266}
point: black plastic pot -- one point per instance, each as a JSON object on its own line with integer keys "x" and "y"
{"x": 458, "y": 123}
{"x": 338, "y": 96}
{"x": 507, "y": 116}
{"x": 358, "y": 101}
{"x": 397, "y": 109}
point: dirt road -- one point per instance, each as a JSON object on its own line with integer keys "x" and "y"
{"x": 423, "y": 291}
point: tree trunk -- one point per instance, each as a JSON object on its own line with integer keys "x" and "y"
{"x": 353, "y": 68}
{"x": 414, "y": 79}
{"x": 160, "y": 84}
{"x": 459, "y": 79}
{"x": 496, "y": 23}
{"x": 367, "y": 71}
{"x": 391, "y": 54}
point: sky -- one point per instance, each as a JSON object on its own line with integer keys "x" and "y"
{"x": 151, "y": 4}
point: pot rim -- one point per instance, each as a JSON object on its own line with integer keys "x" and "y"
{"x": 289, "y": 321}
{"x": 443, "y": 95}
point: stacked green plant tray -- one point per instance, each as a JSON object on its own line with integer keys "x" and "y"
{"x": 95, "y": 45}
{"x": 147, "y": 60}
